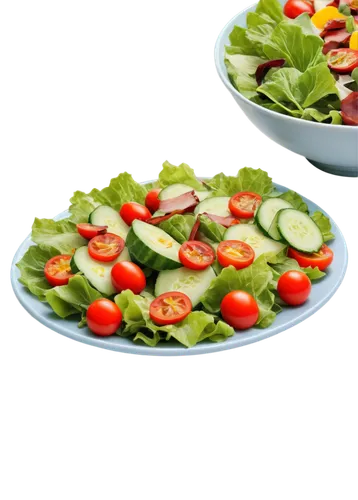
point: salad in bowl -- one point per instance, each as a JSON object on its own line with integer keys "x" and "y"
{"x": 299, "y": 58}
{"x": 179, "y": 259}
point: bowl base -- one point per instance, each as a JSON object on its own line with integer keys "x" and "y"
{"x": 335, "y": 170}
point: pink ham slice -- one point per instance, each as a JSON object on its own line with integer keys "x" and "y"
{"x": 224, "y": 221}
{"x": 349, "y": 109}
{"x": 181, "y": 202}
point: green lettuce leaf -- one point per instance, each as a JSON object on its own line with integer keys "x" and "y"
{"x": 73, "y": 298}
{"x": 247, "y": 179}
{"x": 330, "y": 116}
{"x": 61, "y": 235}
{"x": 355, "y": 75}
{"x": 324, "y": 224}
{"x": 196, "y": 327}
{"x": 304, "y": 20}
{"x": 179, "y": 227}
{"x": 296, "y": 201}
{"x": 301, "y": 51}
{"x": 241, "y": 70}
{"x": 182, "y": 175}
{"x": 31, "y": 268}
{"x": 240, "y": 44}
{"x": 281, "y": 264}
{"x": 272, "y": 9}
{"x": 215, "y": 232}
{"x": 255, "y": 279}
{"x": 120, "y": 190}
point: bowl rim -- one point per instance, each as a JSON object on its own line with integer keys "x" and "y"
{"x": 225, "y": 79}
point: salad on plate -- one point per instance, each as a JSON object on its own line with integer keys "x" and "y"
{"x": 179, "y": 258}
{"x": 300, "y": 60}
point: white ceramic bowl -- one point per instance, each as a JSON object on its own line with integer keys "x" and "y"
{"x": 332, "y": 148}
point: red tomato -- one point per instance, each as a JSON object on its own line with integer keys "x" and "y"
{"x": 58, "y": 270}
{"x": 243, "y": 205}
{"x": 89, "y": 231}
{"x": 294, "y": 287}
{"x": 235, "y": 253}
{"x": 132, "y": 210}
{"x": 295, "y": 8}
{"x": 152, "y": 201}
{"x": 196, "y": 255}
{"x": 321, "y": 259}
{"x": 128, "y": 276}
{"x": 343, "y": 60}
{"x": 104, "y": 317}
{"x": 239, "y": 309}
{"x": 105, "y": 247}
{"x": 170, "y": 308}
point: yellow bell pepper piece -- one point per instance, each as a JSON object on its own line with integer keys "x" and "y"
{"x": 321, "y": 18}
{"x": 353, "y": 44}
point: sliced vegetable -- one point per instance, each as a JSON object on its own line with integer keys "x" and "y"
{"x": 321, "y": 18}
{"x": 152, "y": 200}
{"x": 294, "y": 287}
{"x": 106, "y": 247}
{"x": 235, "y": 253}
{"x": 97, "y": 273}
{"x": 255, "y": 238}
{"x": 321, "y": 259}
{"x": 175, "y": 190}
{"x": 58, "y": 270}
{"x": 107, "y": 216}
{"x": 170, "y": 308}
{"x": 349, "y": 109}
{"x": 353, "y": 43}
{"x": 152, "y": 247}
{"x": 244, "y": 205}
{"x": 134, "y": 211}
{"x": 193, "y": 283}
{"x": 103, "y": 317}
{"x": 299, "y": 230}
{"x": 343, "y": 60}
{"x": 182, "y": 202}
{"x": 89, "y": 231}
{"x": 240, "y": 310}
{"x": 128, "y": 276}
{"x": 264, "y": 68}
{"x": 215, "y": 206}
{"x": 294, "y": 8}
{"x": 266, "y": 215}
{"x": 196, "y": 255}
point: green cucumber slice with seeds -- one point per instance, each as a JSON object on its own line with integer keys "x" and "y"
{"x": 107, "y": 216}
{"x": 266, "y": 215}
{"x": 254, "y": 237}
{"x": 98, "y": 273}
{"x": 178, "y": 189}
{"x": 299, "y": 230}
{"x": 193, "y": 283}
{"x": 152, "y": 247}
{"x": 214, "y": 206}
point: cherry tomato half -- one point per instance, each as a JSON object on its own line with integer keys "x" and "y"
{"x": 89, "y": 231}
{"x": 244, "y": 205}
{"x": 170, "y": 308}
{"x": 128, "y": 276}
{"x": 104, "y": 317}
{"x": 106, "y": 247}
{"x": 152, "y": 201}
{"x": 196, "y": 255}
{"x": 132, "y": 210}
{"x": 294, "y": 287}
{"x": 58, "y": 270}
{"x": 235, "y": 253}
{"x": 321, "y": 259}
{"x": 343, "y": 60}
{"x": 295, "y": 8}
{"x": 239, "y": 309}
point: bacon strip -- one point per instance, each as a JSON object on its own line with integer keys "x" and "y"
{"x": 224, "y": 221}
{"x": 349, "y": 109}
{"x": 332, "y": 25}
{"x": 195, "y": 230}
{"x": 339, "y": 36}
{"x": 182, "y": 202}
{"x": 157, "y": 220}
{"x": 264, "y": 68}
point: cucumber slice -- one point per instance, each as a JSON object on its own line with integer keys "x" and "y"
{"x": 193, "y": 283}
{"x": 254, "y": 237}
{"x": 214, "y": 206}
{"x": 97, "y": 273}
{"x": 299, "y": 230}
{"x": 152, "y": 247}
{"x": 177, "y": 189}
{"x": 107, "y": 216}
{"x": 266, "y": 214}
